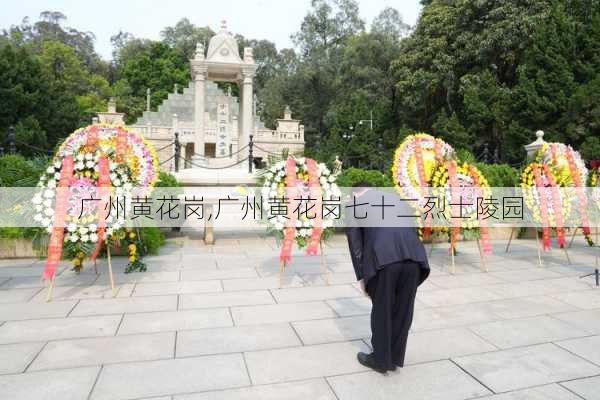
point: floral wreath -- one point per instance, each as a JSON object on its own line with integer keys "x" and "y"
{"x": 299, "y": 178}
{"x": 548, "y": 207}
{"x": 462, "y": 183}
{"x": 594, "y": 177}
{"x": 97, "y": 161}
{"x": 415, "y": 160}
{"x": 569, "y": 171}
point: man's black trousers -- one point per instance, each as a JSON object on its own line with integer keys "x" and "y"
{"x": 392, "y": 292}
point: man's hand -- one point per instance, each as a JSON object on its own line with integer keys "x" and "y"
{"x": 362, "y": 287}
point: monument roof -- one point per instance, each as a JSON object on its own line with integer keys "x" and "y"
{"x": 223, "y": 47}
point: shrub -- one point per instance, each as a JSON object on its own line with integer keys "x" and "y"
{"x": 166, "y": 179}
{"x": 500, "y": 175}
{"x": 152, "y": 238}
{"x": 351, "y": 176}
{"x": 15, "y": 170}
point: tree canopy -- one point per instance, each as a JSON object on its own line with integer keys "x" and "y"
{"x": 478, "y": 74}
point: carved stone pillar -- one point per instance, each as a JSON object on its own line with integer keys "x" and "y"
{"x": 199, "y": 82}
{"x": 247, "y": 118}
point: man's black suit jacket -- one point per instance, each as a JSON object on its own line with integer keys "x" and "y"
{"x": 374, "y": 247}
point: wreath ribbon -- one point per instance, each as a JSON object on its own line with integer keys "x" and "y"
{"x": 315, "y": 193}
{"x": 422, "y": 182}
{"x": 585, "y": 224}
{"x": 104, "y": 191}
{"x": 289, "y": 232}
{"x": 455, "y": 229}
{"x": 557, "y": 207}
{"x": 543, "y": 207}
{"x": 483, "y": 226}
{"x": 60, "y": 211}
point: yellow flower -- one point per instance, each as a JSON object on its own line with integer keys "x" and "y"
{"x": 132, "y": 248}
{"x": 131, "y": 258}
{"x": 132, "y": 235}
{"x": 76, "y": 262}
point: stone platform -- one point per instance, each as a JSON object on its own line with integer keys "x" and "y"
{"x": 210, "y": 322}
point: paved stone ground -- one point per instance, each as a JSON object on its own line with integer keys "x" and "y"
{"x": 211, "y": 323}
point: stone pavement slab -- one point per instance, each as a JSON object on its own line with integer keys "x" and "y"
{"x": 447, "y": 297}
{"x": 125, "y": 305}
{"x": 272, "y": 282}
{"x": 587, "y": 299}
{"x": 526, "y": 331}
{"x": 61, "y": 293}
{"x": 17, "y": 295}
{"x": 587, "y": 388}
{"x": 523, "y": 367}
{"x": 165, "y": 288}
{"x": 235, "y": 339}
{"x": 105, "y": 350}
{"x": 333, "y": 329}
{"x": 588, "y": 320}
{"x": 443, "y": 344}
{"x": 14, "y": 358}
{"x": 351, "y": 306}
{"x": 274, "y": 313}
{"x": 587, "y": 348}
{"x": 209, "y": 274}
{"x": 65, "y": 384}
{"x": 64, "y": 279}
{"x": 315, "y": 389}
{"x": 166, "y": 321}
{"x": 166, "y": 377}
{"x": 294, "y": 295}
{"x": 452, "y": 316}
{"x": 225, "y": 299}
{"x": 304, "y": 362}
{"x": 527, "y": 307}
{"x": 547, "y": 392}
{"x": 58, "y": 328}
{"x": 441, "y": 380}
{"x": 23, "y": 311}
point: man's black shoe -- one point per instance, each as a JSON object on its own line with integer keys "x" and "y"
{"x": 369, "y": 361}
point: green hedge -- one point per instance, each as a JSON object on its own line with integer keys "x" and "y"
{"x": 351, "y": 176}
{"x": 500, "y": 175}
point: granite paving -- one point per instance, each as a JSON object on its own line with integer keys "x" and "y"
{"x": 218, "y": 322}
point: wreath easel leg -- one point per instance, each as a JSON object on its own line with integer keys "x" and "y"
{"x": 281, "y": 270}
{"x": 573, "y": 237}
{"x": 50, "y": 288}
{"x": 512, "y": 232}
{"x": 539, "y": 252}
{"x": 110, "y": 270}
{"x": 482, "y": 257}
{"x": 324, "y": 264}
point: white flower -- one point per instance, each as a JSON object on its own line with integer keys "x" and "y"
{"x": 57, "y": 164}
{"x": 39, "y": 207}
{"x": 71, "y": 227}
{"x": 269, "y": 175}
{"x": 52, "y": 184}
{"x": 93, "y": 237}
{"x": 85, "y": 238}
{"x": 79, "y": 165}
{"x": 45, "y": 221}
{"x": 83, "y": 230}
{"x": 37, "y": 199}
{"x": 279, "y": 226}
{"x": 79, "y": 157}
{"x": 93, "y": 227}
{"x": 112, "y": 166}
{"x": 109, "y": 231}
{"x": 49, "y": 212}
{"x": 37, "y": 217}
{"x": 48, "y": 193}
{"x": 117, "y": 182}
{"x": 273, "y": 169}
{"x": 89, "y": 156}
{"x": 113, "y": 176}
{"x": 90, "y": 164}
{"x": 73, "y": 238}
{"x": 48, "y": 203}
{"x": 331, "y": 179}
{"x": 116, "y": 226}
{"x": 57, "y": 176}
{"x": 298, "y": 224}
{"x": 49, "y": 229}
{"x": 50, "y": 170}
{"x": 323, "y": 180}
